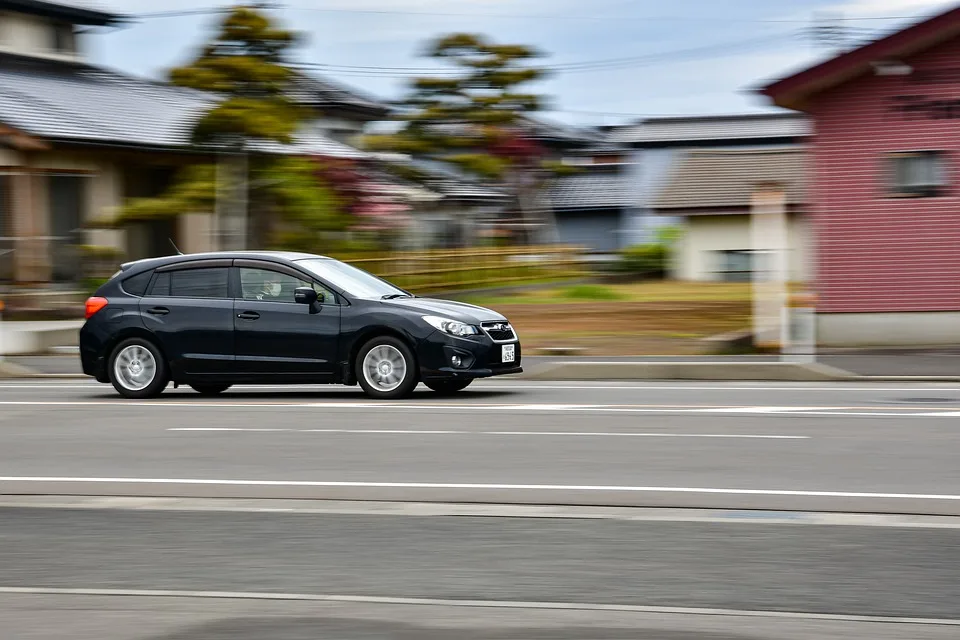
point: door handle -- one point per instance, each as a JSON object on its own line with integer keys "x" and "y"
{"x": 248, "y": 315}
{"x": 158, "y": 311}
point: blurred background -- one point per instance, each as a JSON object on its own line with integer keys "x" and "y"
{"x": 625, "y": 179}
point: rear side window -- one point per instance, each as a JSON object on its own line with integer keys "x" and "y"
{"x": 209, "y": 282}
{"x": 137, "y": 285}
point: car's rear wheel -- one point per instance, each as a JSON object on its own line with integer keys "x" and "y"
{"x": 386, "y": 368}
{"x": 137, "y": 369}
{"x": 210, "y": 389}
{"x": 447, "y": 387}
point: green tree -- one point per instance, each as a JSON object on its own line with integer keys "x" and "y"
{"x": 474, "y": 116}
{"x": 244, "y": 68}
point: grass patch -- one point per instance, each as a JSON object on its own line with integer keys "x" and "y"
{"x": 658, "y": 291}
{"x": 591, "y": 292}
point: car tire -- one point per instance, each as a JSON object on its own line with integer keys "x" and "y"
{"x": 137, "y": 369}
{"x": 210, "y": 389}
{"x": 386, "y": 369}
{"x": 447, "y": 387}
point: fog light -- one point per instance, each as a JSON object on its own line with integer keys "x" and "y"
{"x": 456, "y": 361}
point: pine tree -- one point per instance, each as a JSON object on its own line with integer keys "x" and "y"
{"x": 475, "y": 118}
{"x": 245, "y": 69}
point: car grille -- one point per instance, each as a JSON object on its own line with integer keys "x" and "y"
{"x": 499, "y": 331}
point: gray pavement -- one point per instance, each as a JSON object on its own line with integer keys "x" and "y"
{"x": 124, "y": 569}
{"x": 873, "y": 571}
{"x": 873, "y": 448}
{"x": 53, "y": 617}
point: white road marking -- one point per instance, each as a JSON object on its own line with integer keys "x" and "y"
{"x": 764, "y": 409}
{"x": 839, "y": 411}
{"x": 496, "y": 433}
{"x": 481, "y": 486}
{"x": 485, "y": 510}
{"x": 492, "y": 604}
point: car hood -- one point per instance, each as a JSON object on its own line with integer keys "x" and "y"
{"x": 448, "y": 309}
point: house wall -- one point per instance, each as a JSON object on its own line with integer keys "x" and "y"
{"x": 31, "y": 35}
{"x": 597, "y": 230}
{"x": 648, "y": 173}
{"x": 878, "y": 254}
{"x": 704, "y": 237}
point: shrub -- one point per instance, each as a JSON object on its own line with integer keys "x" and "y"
{"x": 648, "y": 260}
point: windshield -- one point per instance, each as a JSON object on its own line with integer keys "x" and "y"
{"x": 352, "y": 281}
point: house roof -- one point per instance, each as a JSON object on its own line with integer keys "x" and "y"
{"x": 796, "y": 90}
{"x": 73, "y": 11}
{"x": 324, "y": 93}
{"x": 590, "y": 190}
{"x": 724, "y": 179}
{"x": 90, "y": 105}
{"x": 757, "y": 126}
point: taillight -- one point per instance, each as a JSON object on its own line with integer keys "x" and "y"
{"x": 94, "y": 305}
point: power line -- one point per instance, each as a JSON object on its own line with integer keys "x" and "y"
{"x": 573, "y": 67}
{"x": 579, "y": 18}
{"x": 515, "y": 16}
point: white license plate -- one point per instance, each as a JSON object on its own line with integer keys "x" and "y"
{"x": 509, "y": 353}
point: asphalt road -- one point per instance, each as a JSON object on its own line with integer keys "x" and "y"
{"x": 874, "y": 448}
{"x": 122, "y": 574}
{"x": 433, "y": 559}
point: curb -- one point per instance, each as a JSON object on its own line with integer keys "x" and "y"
{"x": 730, "y": 371}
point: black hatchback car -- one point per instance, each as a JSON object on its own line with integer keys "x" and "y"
{"x": 218, "y": 319}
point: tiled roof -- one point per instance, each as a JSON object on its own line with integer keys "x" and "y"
{"x": 590, "y": 190}
{"x": 726, "y": 179}
{"x": 90, "y": 105}
{"x": 321, "y": 92}
{"x": 85, "y": 12}
{"x": 707, "y": 128}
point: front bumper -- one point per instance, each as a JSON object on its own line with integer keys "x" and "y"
{"x": 480, "y": 357}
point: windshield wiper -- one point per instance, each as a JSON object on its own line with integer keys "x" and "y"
{"x": 394, "y": 296}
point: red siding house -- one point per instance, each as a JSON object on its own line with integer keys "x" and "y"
{"x": 885, "y": 186}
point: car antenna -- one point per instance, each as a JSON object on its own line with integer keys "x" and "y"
{"x": 174, "y": 245}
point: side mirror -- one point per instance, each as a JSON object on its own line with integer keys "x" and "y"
{"x": 306, "y": 295}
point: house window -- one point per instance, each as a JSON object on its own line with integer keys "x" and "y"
{"x": 918, "y": 173}
{"x": 737, "y": 265}
{"x": 64, "y": 39}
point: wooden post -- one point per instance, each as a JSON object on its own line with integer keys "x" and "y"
{"x": 768, "y": 231}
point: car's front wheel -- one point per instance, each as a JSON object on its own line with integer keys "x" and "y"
{"x": 447, "y": 387}
{"x": 386, "y": 368}
{"x": 137, "y": 369}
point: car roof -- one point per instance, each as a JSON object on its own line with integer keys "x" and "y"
{"x": 272, "y": 256}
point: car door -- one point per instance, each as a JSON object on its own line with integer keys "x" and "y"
{"x": 188, "y": 307}
{"x": 274, "y": 334}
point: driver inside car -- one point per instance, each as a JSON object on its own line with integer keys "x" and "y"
{"x": 270, "y": 288}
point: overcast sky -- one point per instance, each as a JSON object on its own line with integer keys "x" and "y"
{"x": 725, "y": 48}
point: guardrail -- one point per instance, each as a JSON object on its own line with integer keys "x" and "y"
{"x": 457, "y": 269}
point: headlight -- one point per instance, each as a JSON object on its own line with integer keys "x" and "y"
{"x": 453, "y": 327}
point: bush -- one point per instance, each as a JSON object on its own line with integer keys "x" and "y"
{"x": 648, "y": 260}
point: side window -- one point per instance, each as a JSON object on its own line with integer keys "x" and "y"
{"x": 208, "y": 282}
{"x": 918, "y": 173}
{"x": 272, "y": 286}
{"x": 137, "y": 285}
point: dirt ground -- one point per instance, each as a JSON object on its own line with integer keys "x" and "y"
{"x": 625, "y": 328}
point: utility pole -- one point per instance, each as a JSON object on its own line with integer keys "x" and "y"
{"x": 768, "y": 231}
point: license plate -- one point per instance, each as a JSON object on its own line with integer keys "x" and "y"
{"x": 509, "y": 353}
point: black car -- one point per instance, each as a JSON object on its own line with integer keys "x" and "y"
{"x": 218, "y": 319}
